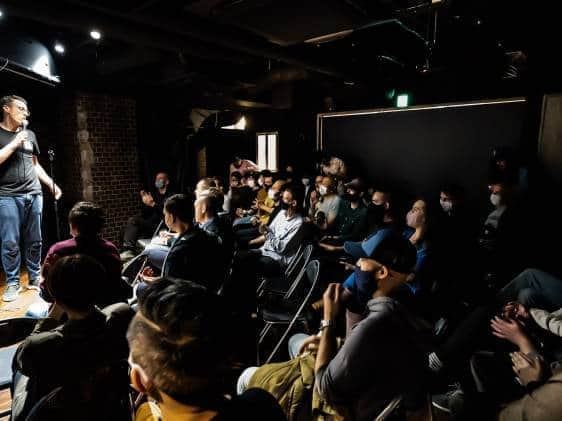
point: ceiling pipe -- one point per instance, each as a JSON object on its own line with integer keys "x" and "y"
{"x": 203, "y": 30}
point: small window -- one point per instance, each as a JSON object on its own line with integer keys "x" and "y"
{"x": 267, "y": 150}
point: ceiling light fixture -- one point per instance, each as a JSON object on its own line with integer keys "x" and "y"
{"x": 59, "y": 48}
{"x": 95, "y": 34}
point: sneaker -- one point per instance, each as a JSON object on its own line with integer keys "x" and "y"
{"x": 33, "y": 284}
{"x": 451, "y": 402}
{"x": 11, "y": 293}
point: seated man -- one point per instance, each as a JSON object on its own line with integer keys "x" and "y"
{"x": 207, "y": 207}
{"x": 144, "y": 224}
{"x": 381, "y": 357}
{"x": 194, "y": 255}
{"x": 86, "y": 222}
{"x": 179, "y": 342}
{"x": 351, "y": 220}
{"x": 280, "y": 240}
{"x": 69, "y": 353}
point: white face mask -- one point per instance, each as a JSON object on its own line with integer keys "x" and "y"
{"x": 496, "y": 199}
{"x": 447, "y": 205}
{"x": 271, "y": 194}
{"x": 305, "y": 181}
{"x": 251, "y": 183}
{"x": 323, "y": 190}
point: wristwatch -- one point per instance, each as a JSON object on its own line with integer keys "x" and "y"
{"x": 325, "y": 323}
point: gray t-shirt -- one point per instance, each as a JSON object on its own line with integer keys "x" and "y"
{"x": 17, "y": 173}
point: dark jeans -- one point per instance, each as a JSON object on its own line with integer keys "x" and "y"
{"x": 532, "y": 288}
{"x": 138, "y": 227}
{"x": 20, "y": 222}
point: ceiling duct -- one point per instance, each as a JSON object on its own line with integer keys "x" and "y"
{"x": 27, "y": 58}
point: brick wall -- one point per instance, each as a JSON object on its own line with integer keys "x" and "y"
{"x": 101, "y": 156}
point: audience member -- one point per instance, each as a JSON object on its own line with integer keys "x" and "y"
{"x": 179, "y": 342}
{"x": 242, "y": 166}
{"x": 86, "y": 222}
{"x": 80, "y": 354}
{"x": 144, "y": 224}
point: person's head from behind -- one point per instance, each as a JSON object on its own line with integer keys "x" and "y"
{"x": 237, "y": 162}
{"x": 175, "y": 343}
{"x": 450, "y": 196}
{"x": 235, "y": 179}
{"x": 73, "y": 282}
{"x": 86, "y": 220}
{"x": 14, "y": 109}
{"x": 161, "y": 180}
{"x": 178, "y": 212}
{"x": 391, "y": 263}
{"x": 417, "y": 216}
{"x": 208, "y": 205}
{"x": 204, "y": 185}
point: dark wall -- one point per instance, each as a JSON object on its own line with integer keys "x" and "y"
{"x": 414, "y": 151}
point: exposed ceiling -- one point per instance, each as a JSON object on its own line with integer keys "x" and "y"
{"x": 239, "y": 52}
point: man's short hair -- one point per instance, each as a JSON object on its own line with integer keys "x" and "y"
{"x": 214, "y": 200}
{"x": 453, "y": 190}
{"x": 8, "y": 99}
{"x": 87, "y": 218}
{"x": 73, "y": 281}
{"x": 180, "y": 206}
{"x": 297, "y": 194}
{"x": 177, "y": 338}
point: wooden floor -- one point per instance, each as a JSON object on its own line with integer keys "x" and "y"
{"x": 18, "y": 307}
{"x": 15, "y": 308}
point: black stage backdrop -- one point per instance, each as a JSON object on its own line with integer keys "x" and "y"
{"x": 414, "y": 150}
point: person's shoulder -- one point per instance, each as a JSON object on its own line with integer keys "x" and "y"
{"x": 63, "y": 246}
{"x": 109, "y": 245}
{"x": 118, "y": 311}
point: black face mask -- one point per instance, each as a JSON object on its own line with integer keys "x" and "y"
{"x": 267, "y": 186}
{"x": 376, "y": 213}
{"x": 352, "y": 197}
{"x": 285, "y": 205}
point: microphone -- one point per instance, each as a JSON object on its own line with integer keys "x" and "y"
{"x": 26, "y": 143}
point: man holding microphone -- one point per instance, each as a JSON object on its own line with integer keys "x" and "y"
{"x": 21, "y": 199}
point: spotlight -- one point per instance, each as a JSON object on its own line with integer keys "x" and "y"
{"x": 95, "y": 34}
{"x": 1, "y": 13}
{"x": 59, "y": 48}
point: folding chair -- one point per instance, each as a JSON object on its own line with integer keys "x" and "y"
{"x": 291, "y": 316}
{"x": 287, "y": 282}
{"x": 12, "y": 331}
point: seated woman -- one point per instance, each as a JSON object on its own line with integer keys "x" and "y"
{"x": 75, "y": 343}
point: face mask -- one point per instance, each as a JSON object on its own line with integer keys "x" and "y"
{"x": 285, "y": 205}
{"x": 496, "y": 199}
{"x": 260, "y": 182}
{"x": 414, "y": 219}
{"x": 352, "y": 197}
{"x": 323, "y": 190}
{"x": 305, "y": 181}
{"x": 271, "y": 194}
{"x": 447, "y": 205}
{"x": 366, "y": 286}
{"x": 159, "y": 184}
{"x": 376, "y": 213}
{"x": 251, "y": 183}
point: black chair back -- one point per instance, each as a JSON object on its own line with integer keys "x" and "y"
{"x": 15, "y": 330}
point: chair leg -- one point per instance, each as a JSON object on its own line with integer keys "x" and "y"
{"x": 264, "y": 332}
